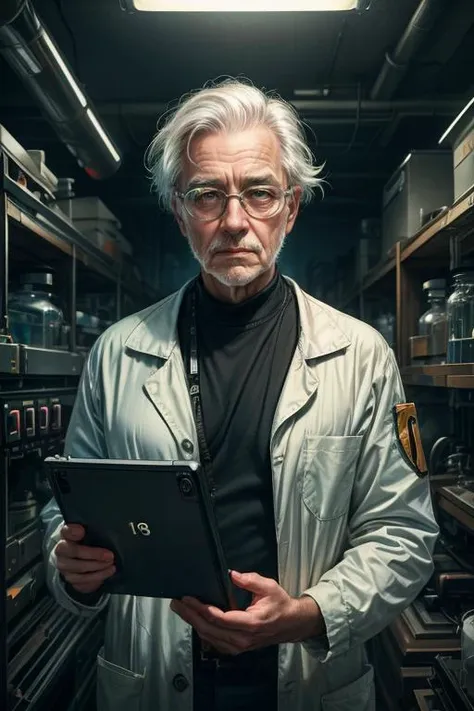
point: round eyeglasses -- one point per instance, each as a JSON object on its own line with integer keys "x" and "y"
{"x": 260, "y": 201}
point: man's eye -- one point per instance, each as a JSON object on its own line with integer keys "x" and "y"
{"x": 206, "y": 196}
{"x": 261, "y": 194}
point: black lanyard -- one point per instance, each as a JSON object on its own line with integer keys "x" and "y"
{"x": 195, "y": 393}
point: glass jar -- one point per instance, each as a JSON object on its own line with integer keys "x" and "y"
{"x": 435, "y": 290}
{"x": 433, "y": 323}
{"x": 34, "y": 318}
{"x": 460, "y": 309}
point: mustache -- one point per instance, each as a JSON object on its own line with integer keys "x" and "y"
{"x": 220, "y": 244}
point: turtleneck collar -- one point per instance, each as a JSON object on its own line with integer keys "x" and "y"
{"x": 245, "y": 313}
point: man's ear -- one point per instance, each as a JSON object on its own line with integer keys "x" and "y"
{"x": 294, "y": 206}
{"x": 177, "y": 208}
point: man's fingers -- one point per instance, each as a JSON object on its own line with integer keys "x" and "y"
{"x": 74, "y": 565}
{"x": 232, "y": 644}
{"x": 224, "y": 640}
{"x": 73, "y": 532}
{"x": 238, "y": 620}
{"x": 67, "y": 549}
{"x": 220, "y": 646}
{"x": 84, "y": 567}
{"x": 254, "y": 583}
{"x": 93, "y": 580}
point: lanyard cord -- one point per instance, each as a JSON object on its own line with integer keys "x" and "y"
{"x": 195, "y": 395}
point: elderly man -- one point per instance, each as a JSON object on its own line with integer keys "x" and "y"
{"x": 313, "y": 458}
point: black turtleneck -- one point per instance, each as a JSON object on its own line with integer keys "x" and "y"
{"x": 244, "y": 352}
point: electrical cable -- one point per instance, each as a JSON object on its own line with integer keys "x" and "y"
{"x": 355, "y": 132}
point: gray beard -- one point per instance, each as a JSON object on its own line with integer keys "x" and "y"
{"x": 247, "y": 276}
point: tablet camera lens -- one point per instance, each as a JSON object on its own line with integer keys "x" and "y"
{"x": 186, "y": 486}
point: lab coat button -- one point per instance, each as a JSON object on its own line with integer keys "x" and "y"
{"x": 180, "y": 682}
{"x": 188, "y": 446}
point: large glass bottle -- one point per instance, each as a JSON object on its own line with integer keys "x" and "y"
{"x": 461, "y": 318}
{"x": 435, "y": 291}
{"x": 34, "y": 318}
{"x": 433, "y": 323}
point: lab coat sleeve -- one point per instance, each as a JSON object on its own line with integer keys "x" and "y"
{"x": 391, "y": 533}
{"x": 85, "y": 438}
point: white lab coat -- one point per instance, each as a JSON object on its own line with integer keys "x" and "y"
{"x": 353, "y": 521}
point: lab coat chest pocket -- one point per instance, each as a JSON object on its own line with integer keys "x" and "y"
{"x": 329, "y": 466}
{"x": 118, "y": 689}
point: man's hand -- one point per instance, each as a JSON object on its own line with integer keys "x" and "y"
{"x": 84, "y": 567}
{"x": 273, "y": 617}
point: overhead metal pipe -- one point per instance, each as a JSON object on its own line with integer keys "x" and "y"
{"x": 32, "y": 53}
{"x": 397, "y": 63}
{"x": 311, "y": 107}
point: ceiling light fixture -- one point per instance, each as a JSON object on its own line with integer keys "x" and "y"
{"x": 242, "y": 5}
{"x": 39, "y": 63}
{"x": 61, "y": 64}
{"x": 110, "y": 146}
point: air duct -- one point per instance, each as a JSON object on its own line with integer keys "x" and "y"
{"x": 396, "y": 64}
{"x": 34, "y": 56}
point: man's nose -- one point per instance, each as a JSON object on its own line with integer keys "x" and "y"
{"x": 234, "y": 219}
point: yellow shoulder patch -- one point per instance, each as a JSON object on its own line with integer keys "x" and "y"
{"x": 409, "y": 438}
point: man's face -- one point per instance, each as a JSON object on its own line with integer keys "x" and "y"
{"x": 236, "y": 249}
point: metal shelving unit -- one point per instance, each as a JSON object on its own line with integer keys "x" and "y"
{"x": 52, "y": 226}
{"x": 37, "y": 391}
{"x": 32, "y": 228}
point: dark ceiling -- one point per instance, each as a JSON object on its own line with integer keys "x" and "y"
{"x": 134, "y": 66}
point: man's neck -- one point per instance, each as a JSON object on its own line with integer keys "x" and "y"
{"x": 236, "y": 294}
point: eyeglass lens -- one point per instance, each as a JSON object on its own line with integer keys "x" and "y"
{"x": 210, "y": 203}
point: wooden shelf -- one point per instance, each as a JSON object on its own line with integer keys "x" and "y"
{"x": 433, "y": 239}
{"x": 440, "y": 376}
{"x": 424, "y": 649}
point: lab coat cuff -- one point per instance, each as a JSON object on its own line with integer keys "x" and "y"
{"x": 337, "y": 638}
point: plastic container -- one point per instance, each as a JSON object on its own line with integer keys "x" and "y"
{"x": 35, "y": 320}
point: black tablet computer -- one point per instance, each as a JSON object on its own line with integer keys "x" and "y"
{"x": 156, "y": 517}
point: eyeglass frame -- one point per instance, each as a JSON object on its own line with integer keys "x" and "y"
{"x": 284, "y": 193}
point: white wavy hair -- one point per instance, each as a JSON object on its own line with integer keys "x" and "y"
{"x": 230, "y": 105}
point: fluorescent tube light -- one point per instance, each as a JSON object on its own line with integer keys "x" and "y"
{"x": 407, "y": 160}
{"x": 64, "y": 69}
{"x": 243, "y": 5}
{"x": 103, "y": 135}
{"x": 456, "y": 120}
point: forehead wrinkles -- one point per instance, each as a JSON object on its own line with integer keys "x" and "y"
{"x": 256, "y": 148}
{"x": 243, "y": 161}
